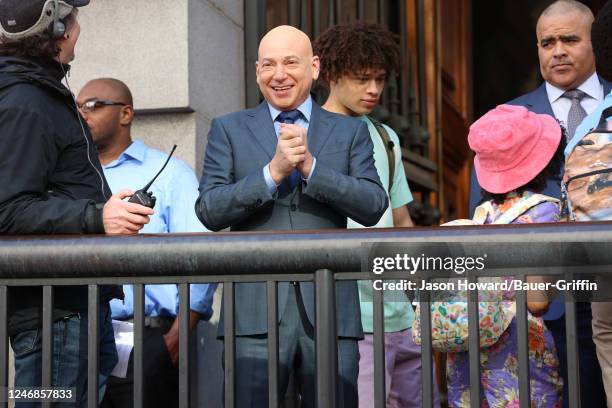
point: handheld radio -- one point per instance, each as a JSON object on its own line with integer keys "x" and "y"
{"x": 144, "y": 197}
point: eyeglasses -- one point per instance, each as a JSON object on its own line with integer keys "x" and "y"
{"x": 91, "y": 105}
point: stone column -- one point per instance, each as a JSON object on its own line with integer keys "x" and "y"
{"x": 182, "y": 59}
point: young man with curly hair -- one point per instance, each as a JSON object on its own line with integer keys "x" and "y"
{"x": 356, "y": 60}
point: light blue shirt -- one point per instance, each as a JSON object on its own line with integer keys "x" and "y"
{"x": 304, "y": 120}
{"x": 176, "y": 190}
{"x": 588, "y": 124}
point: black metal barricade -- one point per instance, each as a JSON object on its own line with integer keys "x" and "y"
{"x": 320, "y": 256}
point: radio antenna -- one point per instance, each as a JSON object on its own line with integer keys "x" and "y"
{"x": 145, "y": 188}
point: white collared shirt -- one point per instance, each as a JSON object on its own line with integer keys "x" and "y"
{"x": 561, "y": 106}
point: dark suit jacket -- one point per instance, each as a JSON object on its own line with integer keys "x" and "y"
{"x": 537, "y": 102}
{"x": 233, "y": 193}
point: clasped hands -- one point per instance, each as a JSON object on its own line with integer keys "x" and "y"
{"x": 291, "y": 153}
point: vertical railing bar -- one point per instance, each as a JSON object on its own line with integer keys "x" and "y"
{"x": 422, "y": 63}
{"x": 304, "y": 7}
{"x": 379, "y": 349}
{"x": 4, "y": 340}
{"x": 404, "y": 70}
{"x": 294, "y": 12}
{"x": 93, "y": 320}
{"x": 361, "y": 9}
{"x": 255, "y": 26}
{"x": 426, "y": 348}
{"x": 273, "y": 394}
{"x": 331, "y": 15}
{"x": 229, "y": 343}
{"x": 326, "y": 347}
{"x": 47, "y": 339}
{"x": 474, "y": 346}
{"x": 573, "y": 364}
{"x": 523, "y": 346}
{"x": 139, "y": 322}
{"x": 339, "y": 15}
{"x": 382, "y": 13}
{"x": 184, "y": 312}
{"x": 316, "y": 21}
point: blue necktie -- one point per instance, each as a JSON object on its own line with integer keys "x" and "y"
{"x": 290, "y": 117}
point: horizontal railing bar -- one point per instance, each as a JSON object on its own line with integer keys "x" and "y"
{"x": 155, "y": 280}
{"x": 488, "y": 272}
{"x": 307, "y": 276}
{"x": 288, "y": 252}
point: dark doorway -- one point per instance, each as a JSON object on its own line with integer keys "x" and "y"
{"x": 505, "y": 58}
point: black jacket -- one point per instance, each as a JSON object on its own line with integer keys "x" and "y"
{"x": 51, "y": 178}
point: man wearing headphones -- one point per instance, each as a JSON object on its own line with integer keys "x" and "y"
{"x": 52, "y": 183}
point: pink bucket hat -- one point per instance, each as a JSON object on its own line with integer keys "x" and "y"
{"x": 512, "y": 146}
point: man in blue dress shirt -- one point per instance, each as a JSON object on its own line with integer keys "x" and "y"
{"x": 106, "y": 104}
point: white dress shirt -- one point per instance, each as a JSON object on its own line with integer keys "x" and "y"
{"x": 561, "y": 106}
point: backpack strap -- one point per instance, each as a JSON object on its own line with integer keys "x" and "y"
{"x": 485, "y": 209}
{"x": 482, "y": 212}
{"x": 389, "y": 145}
{"x": 522, "y": 206}
{"x": 604, "y": 118}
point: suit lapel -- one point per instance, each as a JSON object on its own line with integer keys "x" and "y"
{"x": 319, "y": 129}
{"x": 540, "y": 103}
{"x": 261, "y": 126}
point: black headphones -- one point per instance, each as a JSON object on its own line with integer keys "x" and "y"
{"x": 57, "y": 28}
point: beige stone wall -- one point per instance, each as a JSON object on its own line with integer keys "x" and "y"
{"x": 183, "y": 61}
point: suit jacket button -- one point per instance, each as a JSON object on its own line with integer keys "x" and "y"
{"x": 293, "y": 207}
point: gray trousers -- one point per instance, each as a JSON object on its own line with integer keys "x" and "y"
{"x": 297, "y": 356}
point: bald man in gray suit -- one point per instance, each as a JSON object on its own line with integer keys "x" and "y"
{"x": 289, "y": 165}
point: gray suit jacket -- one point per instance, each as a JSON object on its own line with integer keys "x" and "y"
{"x": 233, "y": 193}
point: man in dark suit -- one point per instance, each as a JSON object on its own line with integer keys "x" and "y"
{"x": 289, "y": 165}
{"x": 572, "y": 89}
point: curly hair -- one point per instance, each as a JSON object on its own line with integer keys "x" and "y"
{"x": 601, "y": 37}
{"x": 353, "y": 48}
{"x": 538, "y": 183}
{"x": 39, "y": 46}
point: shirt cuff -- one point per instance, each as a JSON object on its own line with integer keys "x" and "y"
{"x": 201, "y": 299}
{"x": 272, "y": 186}
{"x": 314, "y": 164}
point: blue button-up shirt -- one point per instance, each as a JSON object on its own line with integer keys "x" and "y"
{"x": 304, "y": 120}
{"x": 176, "y": 190}
{"x": 589, "y": 123}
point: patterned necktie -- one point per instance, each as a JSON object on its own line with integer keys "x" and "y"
{"x": 576, "y": 113}
{"x": 290, "y": 117}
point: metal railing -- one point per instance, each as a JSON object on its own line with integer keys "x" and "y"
{"x": 277, "y": 257}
